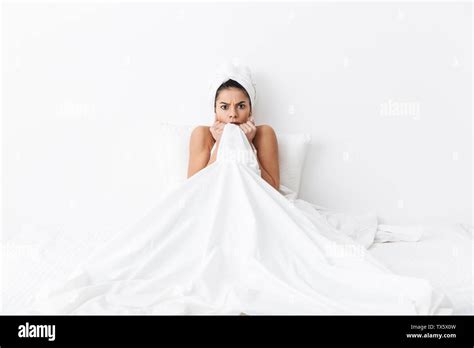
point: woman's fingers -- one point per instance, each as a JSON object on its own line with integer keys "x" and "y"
{"x": 249, "y": 129}
{"x": 243, "y": 127}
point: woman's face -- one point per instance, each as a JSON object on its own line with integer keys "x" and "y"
{"x": 232, "y": 105}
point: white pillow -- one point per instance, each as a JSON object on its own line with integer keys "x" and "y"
{"x": 172, "y": 148}
{"x": 292, "y": 149}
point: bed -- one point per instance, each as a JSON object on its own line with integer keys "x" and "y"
{"x": 29, "y": 259}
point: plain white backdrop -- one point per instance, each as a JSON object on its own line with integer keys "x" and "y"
{"x": 384, "y": 90}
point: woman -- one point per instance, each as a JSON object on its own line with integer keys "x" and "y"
{"x": 232, "y": 105}
{"x": 226, "y": 241}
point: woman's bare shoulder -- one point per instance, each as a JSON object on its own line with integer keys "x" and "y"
{"x": 265, "y": 129}
{"x": 202, "y": 135}
{"x": 265, "y": 137}
{"x": 202, "y": 130}
{"x": 201, "y": 127}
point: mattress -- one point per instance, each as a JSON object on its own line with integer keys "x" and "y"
{"x": 443, "y": 256}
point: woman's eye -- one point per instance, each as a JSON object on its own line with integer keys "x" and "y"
{"x": 242, "y": 106}
{"x": 223, "y": 107}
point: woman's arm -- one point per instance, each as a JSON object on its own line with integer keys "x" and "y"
{"x": 214, "y": 154}
{"x": 200, "y": 145}
{"x": 266, "y": 143}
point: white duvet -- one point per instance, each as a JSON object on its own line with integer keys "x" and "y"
{"x": 226, "y": 242}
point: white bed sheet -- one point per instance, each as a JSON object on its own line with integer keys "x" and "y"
{"x": 28, "y": 262}
{"x": 443, "y": 256}
{"x": 187, "y": 255}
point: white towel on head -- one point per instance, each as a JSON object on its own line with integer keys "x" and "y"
{"x": 237, "y": 72}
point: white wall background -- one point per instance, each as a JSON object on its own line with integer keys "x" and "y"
{"x": 383, "y": 89}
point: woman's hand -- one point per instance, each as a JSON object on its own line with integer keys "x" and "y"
{"x": 249, "y": 129}
{"x": 216, "y": 130}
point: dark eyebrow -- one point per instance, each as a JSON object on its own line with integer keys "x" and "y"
{"x": 243, "y": 101}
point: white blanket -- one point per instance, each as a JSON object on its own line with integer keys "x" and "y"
{"x": 226, "y": 242}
